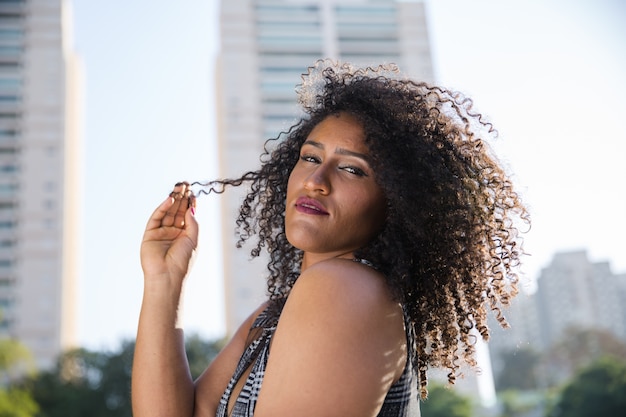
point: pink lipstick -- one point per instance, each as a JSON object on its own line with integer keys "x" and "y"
{"x": 310, "y": 206}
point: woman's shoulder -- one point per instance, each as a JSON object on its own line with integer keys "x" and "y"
{"x": 343, "y": 286}
{"x": 344, "y": 273}
{"x": 338, "y": 317}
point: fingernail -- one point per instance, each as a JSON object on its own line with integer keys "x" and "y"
{"x": 193, "y": 211}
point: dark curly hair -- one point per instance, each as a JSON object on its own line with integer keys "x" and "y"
{"x": 450, "y": 246}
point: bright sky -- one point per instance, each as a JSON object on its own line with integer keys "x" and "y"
{"x": 548, "y": 74}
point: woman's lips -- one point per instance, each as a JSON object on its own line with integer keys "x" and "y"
{"x": 310, "y": 206}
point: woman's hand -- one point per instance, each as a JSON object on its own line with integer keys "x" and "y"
{"x": 171, "y": 237}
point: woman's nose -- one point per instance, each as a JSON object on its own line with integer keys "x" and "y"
{"x": 318, "y": 180}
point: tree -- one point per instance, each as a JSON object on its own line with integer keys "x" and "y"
{"x": 598, "y": 390}
{"x": 97, "y": 384}
{"x": 519, "y": 371}
{"x": 15, "y": 362}
{"x": 445, "y": 402}
{"x": 74, "y": 387}
{"x": 201, "y": 352}
{"x": 514, "y": 403}
{"x": 578, "y": 348}
{"x": 15, "y": 402}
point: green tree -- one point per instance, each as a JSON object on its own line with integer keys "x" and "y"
{"x": 576, "y": 349}
{"x": 15, "y": 362}
{"x": 514, "y": 403}
{"x": 201, "y": 352}
{"x": 16, "y": 402}
{"x": 74, "y": 387}
{"x": 598, "y": 390}
{"x": 97, "y": 384}
{"x": 445, "y": 402}
{"x": 519, "y": 371}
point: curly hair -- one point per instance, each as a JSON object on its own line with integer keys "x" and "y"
{"x": 450, "y": 246}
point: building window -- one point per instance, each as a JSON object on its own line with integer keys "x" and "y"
{"x": 8, "y": 190}
{"x": 8, "y": 51}
{"x": 8, "y": 98}
{"x": 10, "y": 84}
{"x": 7, "y": 151}
{"x": 7, "y": 224}
{"x": 6, "y": 302}
{"x": 7, "y": 243}
{"x": 7, "y": 34}
{"x": 8, "y": 168}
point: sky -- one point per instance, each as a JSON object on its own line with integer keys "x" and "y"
{"x": 549, "y": 74}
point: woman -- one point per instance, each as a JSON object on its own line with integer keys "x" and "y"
{"x": 389, "y": 227}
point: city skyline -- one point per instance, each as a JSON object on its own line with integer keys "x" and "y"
{"x": 553, "y": 93}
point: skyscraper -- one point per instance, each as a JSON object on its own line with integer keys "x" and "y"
{"x": 265, "y": 47}
{"x": 39, "y": 177}
{"x": 576, "y": 293}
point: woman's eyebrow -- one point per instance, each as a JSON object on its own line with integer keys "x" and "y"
{"x": 340, "y": 151}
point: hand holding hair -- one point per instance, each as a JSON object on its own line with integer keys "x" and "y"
{"x": 171, "y": 236}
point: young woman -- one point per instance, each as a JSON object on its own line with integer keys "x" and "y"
{"x": 389, "y": 226}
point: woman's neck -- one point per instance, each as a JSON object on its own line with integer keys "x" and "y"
{"x": 309, "y": 258}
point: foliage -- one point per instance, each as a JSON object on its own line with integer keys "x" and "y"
{"x": 598, "y": 390}
{"x": 200, "y": 353}
{"x": 527, "y": 370}
{"x": 86, "y": 383}
{"x": 514, "y": 403}
{"x": 97, "y": 384}
{"x": 519, "y": 371}
{"x": 445, "y": 402}
{"x": 577, "y": 349}
{"x": 15, "y": 402}
{"x": 15, "y": 360}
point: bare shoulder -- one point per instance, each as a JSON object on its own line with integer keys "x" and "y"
{"x": 348, "y": 280}
{"x": 343, "y": 294}
{"x": 338, "y": 317}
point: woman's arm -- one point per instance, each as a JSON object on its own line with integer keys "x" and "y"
{"x": 161, "y": 381}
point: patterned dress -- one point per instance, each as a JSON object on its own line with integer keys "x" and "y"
{"x": 401, "y": 400}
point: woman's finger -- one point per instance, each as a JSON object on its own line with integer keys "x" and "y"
{"x": 172, "y": 216}
{"x": 191, "y": 225}
{"x": 161, "y": 211}
{"x": 171, "y": 212}
{"x": 183, "y": 205}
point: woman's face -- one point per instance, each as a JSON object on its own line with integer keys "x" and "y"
{"x": 334, "y": 205}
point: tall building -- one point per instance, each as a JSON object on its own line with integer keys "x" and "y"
{"x": 574, "y": 292}
{"x": 265, "y": 47}
{"x": 39, "y": 177}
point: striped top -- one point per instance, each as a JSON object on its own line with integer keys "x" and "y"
{"x": 401, "y": 400}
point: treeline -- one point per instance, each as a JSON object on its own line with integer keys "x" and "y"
{"x": 83, "y": 382}
{"x": 583, "y": 375}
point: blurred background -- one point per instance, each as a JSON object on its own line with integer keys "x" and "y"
{"x": 105, "y": 105}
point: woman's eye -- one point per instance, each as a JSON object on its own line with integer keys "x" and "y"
{"x": 310, "y": 158}
{"x": 354, "y": 170}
